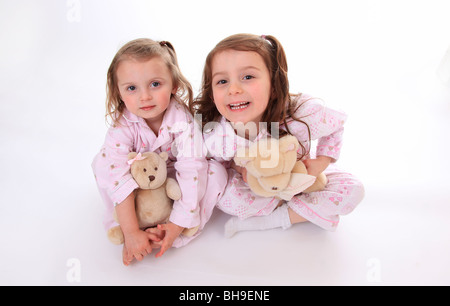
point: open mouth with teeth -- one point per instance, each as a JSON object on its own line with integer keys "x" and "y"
{"x": 238, "y": 106}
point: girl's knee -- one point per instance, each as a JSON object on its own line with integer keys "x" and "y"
{"x": 355, "y": 194}
{"x": 347, "y": 185}
{"x": 217, "y": 177}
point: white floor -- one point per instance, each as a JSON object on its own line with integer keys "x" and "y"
{"x": 383, "y": 62}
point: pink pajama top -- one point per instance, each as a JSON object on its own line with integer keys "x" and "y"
{"x": 326, "y": 126}
{"x": 175, "y": 136}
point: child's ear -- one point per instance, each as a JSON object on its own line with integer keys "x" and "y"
{"x": 164, "y": 155}
{"x": 174, "y": 90}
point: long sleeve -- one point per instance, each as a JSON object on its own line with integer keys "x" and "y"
{"x": 325, "y": 124}
{"x": 110, "y": 165}
{"x": 191, "y": 175}
{"x": 191, "y": 169}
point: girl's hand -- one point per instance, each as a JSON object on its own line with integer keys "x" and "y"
{"x": 318, "y": 165}
{"x": 241, "y": 170}
{"x": 170, "y": 232}
{"x": 158, "y": 237}
{"x": 137, "y": 245}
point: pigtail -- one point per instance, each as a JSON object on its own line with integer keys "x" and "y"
{"x": 167, "y": 44}
{"x": 280, "y": 84}
{"x": 170, "y": 50}
{"x": 279, "y": 62}
{"x": 281, "y": 99}
{"x": 184, "y": 93}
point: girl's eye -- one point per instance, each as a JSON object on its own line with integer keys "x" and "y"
{"x": 155, "y": 84}
{"x": 248, "y": 77}
{"x": 131, "y": 88}
{"x": 221, "y": 82}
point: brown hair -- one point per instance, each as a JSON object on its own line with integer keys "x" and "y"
{"x": 280, "y": 107}
{"x": 145, "y": 49}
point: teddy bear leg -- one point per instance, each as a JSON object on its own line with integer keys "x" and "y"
{"x": 189, "y": 232}
{"x": 115, "y": 235}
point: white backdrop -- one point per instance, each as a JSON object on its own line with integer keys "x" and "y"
{"x": 386, "y": 63}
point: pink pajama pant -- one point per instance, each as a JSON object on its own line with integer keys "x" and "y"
{"x": 341, "y": 195}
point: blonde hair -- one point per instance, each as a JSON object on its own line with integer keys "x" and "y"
{"x": 144, "y": 49}
{"x": 281, "y": 107}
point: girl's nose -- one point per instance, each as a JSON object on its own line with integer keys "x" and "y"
{"x": 235, "y": 88}
{"x": 146, "y": 95}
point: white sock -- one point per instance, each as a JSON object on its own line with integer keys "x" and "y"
{"x": 278, "y": 218}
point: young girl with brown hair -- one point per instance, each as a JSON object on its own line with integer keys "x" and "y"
{"x": 244, "y": 90}
{"x": 147, "y": 98}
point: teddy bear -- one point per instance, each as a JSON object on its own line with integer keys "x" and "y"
{"x": 273, "y": 169}
{"x": 155, "y": 195}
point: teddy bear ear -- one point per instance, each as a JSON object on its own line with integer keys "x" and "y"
{"x": 289, "y": 143}
{"x": 131, "y": 155}
{"x": 265, "y": 147}
{"x": 164, "y": 155}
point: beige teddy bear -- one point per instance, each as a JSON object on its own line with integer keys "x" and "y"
{"x": 155, "y": 195}
{"x": 273, "y": 169}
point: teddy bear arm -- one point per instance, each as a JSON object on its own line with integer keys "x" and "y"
{"x": 173, "y": 189}
{"x": 299, "y": 167}
{"x": 319, "y": 184}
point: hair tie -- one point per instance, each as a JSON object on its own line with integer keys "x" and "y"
{"x": 267, "y": 40}
{"x": 163, "y": 43}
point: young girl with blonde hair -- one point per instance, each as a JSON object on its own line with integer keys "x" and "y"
{"x": 147, "y": 98}
{"x": 245, "y": 84}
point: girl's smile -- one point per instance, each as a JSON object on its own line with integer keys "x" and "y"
{"x": 241, "y": 85}
{"x": 238, "y": 106}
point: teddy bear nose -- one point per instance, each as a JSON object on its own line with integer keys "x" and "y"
{"x": 151, "y": 177}
{"x": 274, "y": 188}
